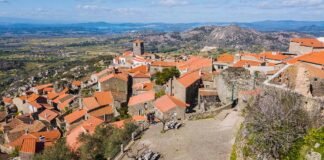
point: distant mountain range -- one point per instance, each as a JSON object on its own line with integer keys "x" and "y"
{"x": 18, "y": 27}
{"x": 225, "y": 37}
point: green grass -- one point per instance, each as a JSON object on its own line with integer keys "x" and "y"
{"x": 303, "y": 145}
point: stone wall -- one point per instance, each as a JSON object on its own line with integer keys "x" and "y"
{"x": 317, "y": 87}
{"x": 231, "y": 81}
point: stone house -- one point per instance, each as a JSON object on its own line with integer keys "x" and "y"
{"x": 223, "y": 61}
{"x": 195, "y": 63}
{"x": 141, "y": 104}
{"x": 158, "y": 66}
{"x": 74, "y": 117}
{"x": 185, "y": 88}
{"x": 301, "y": 46}
{"x": 101, "y": 105}
{"x": 48, "y": 116}
{"x": 169, "y": 107}
{"x": 119, "y": 84}
{"x": 142, "y": 87}
{"x": 40, "y": 89}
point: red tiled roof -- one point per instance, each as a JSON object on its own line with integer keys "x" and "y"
{"x": 87, "y": 126}
{"x": 315, "y": 58}
{"x": 108, "y": 110}
{"x": 104, "y": 98}
{"x": 120, "y": 76}
{"x": 40, "y": 87}
{"x": 61, "y": 96}
{"x": 141, "y": 75}
{"x": 145, "y": 86}
{"x": 32, "y": 97}
{"x": 163, "y": 64}
{"x": 243, "y": 63}
{"x": 141, "y": 98}
{"x": 50, "y": 138}
{"x": 308, "y": 42}
{"x": 189, "y": 78}
{"x": 166, "y": 103}
{"x": 76, "y": 83}
{"x": 142, "y": 69}
{"x": 90, "y": 103}
{"x": 274, "y": 56}
{"x": 48, "y": 115}
{"x": 28, "y": 145}
{"x": 66, "y": 103}
{"x": 48, "y": 89}
{"x": 74, "y": 116}
{"x": 195, "y": 63}
{"x": 225, "y": 58}
{"x": 52, "y": 95}
{"x": 35, "y": 104}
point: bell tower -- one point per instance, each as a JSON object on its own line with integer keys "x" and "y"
{"x": 138, "y": 47}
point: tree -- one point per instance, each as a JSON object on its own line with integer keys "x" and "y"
{"x": 274, "y": 122}
{"x": 166, "y": 74}
{"x": 105, "y": 142}
{"x": 57, "y": 152}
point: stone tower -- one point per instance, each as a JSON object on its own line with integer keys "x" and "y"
{"x": 138, "y": 47}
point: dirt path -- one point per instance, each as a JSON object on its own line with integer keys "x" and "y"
{"x": 209, "y": 139}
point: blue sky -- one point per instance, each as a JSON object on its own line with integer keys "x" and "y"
{"x": 171, "y": 11}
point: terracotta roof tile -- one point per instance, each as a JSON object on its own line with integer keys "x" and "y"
{"x": 87, "y": 126}
{"x": 225, "y": 58}
{"x": 32, "y": 97}
{"x": 141, "y": 98}
{"x": 104, "y": 98}
{"x": 166, "y": 103}
{"x": 40, "y": 87}
{"x": 76, "y": 83}
{"x": 48, "y": 115}
{"x": 243, "y": 63}
{"x": 142, "y": 69}
{"x": 309, "y": 42}
{"x": 195, "y": 63}
{"x": 189, "y": 78}
{"x": 108, "y": 110}
{"x": 144, "y": 86}
{"x": 36, "y": 105}
{"x": 141, "y": 75}
{"x": 90, "y": 103}
{"x": 120, "y": 76}
{"x": 163, "y": 64}
{"x": 28, "y": 145}
{"x": 50, "y": 138}
{"x": 74, "y": 116}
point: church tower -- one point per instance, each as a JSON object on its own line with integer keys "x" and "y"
{"x": 138, "y": 47}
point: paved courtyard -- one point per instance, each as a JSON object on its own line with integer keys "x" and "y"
{"x": 209, "y": 139}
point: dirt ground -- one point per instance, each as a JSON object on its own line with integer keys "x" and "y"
{"x": 208, "y": 139}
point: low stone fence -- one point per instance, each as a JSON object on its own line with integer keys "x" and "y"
{"x": 135, "y": 135}
{"x": 210, "y": 113}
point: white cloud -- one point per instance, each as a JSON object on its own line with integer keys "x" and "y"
{"x": 171, "y": 3}
{"x": 278, "y": 4}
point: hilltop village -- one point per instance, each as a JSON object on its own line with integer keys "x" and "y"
{"x": 147, "y": 89}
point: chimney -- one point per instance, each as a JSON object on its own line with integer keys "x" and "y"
{"x": 46, "y": 116}
{"x": 26, "y": 131}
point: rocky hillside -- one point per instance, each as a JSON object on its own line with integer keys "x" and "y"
{"x": 228, "y": 37}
